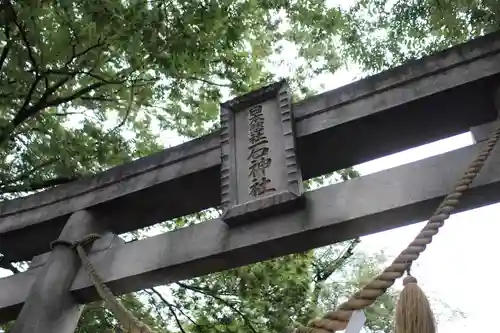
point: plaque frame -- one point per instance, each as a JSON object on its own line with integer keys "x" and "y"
{"x": 236, "y": 213}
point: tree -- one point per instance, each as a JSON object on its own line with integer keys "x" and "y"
{"x": 379, "y": 34}
{"x": 271, "y": 296}
{"x": 83, "y": 89}
{"x": 86, "y": 85}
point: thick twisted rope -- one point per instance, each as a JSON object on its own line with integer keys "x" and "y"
{"x": 126, "y": 319}
{"x": 337, "y": 320}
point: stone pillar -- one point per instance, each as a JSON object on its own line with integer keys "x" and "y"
{"x": 49, "y": 306}
{"x": 481, "y": 132}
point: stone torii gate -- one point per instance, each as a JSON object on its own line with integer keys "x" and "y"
{"x": 254, "y": 169}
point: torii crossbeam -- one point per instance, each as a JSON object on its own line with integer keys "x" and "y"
{"x": 279, "y": 144}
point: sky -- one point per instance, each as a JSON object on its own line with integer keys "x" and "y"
{"x": 451, "y": 268}
{"x": 455, "y": 267}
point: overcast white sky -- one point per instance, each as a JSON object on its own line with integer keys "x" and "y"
{"x": 451, "y": 269}
{"x": 455, "y": 267}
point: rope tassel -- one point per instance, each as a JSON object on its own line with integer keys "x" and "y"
{"x": 414, "y": 313}
{"x": 413, "y": 310}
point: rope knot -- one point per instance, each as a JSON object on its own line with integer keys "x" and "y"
{"x": 409, "y": 279}
{"x": 72, "y": 245}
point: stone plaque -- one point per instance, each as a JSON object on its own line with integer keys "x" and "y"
{"x": 260, "y": 175}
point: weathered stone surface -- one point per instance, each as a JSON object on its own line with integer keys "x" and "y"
{"x": 425, "y": 100}
{"x": 334, "y": 213}
{"x": 260, "y": 175}
{"x": 18, "y": 287}
{"x": 49, "y": 306}
{"x": 482, "y": 132}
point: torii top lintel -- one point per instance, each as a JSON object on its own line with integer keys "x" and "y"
{"x": 421, "y": 101}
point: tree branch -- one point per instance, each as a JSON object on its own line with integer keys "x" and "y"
{"x": 174, "y": 306}
{"x": 225, "y": 302}
{"x": 33, "y": 170}
{"x": 43, "y": 103}
{"x": 209, "y": 291}
{"x": 25, "y": 39}
{"x": 74, "y": 73}
{"x": 26, "y": 111}
{"x": 98, "y": 99}
{"x": 127, "y": 112}
{"x": 64, "y": 114}
{"x": 198, "y": 326}
{"x": 171, "y": 308}
{"x": 337, "y": 263}
{"x": 225, "y": 85}
{"x": 35, "y": 186}
{"x": 75, "y": 55}
{"x": 6, "y": 48}
{"x": 29, "y": 95}
{"x": 77, "y": 94}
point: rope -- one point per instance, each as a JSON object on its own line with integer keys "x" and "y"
{"x": 337, "y": 320}
{"x": 126, "y": 319}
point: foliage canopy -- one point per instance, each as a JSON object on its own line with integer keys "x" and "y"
{"x": 87, "y": 85}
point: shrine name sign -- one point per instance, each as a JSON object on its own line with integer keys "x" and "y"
{"x": 260, "y": 175}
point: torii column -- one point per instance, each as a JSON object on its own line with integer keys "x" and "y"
{"x": 49, "y": 306}
{"x": 480, "y": 133}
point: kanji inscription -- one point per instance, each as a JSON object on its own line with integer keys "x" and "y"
{"x": 259, "y": 154}
{"x": 259, "y": 173}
